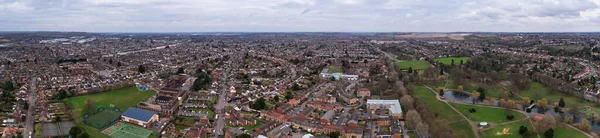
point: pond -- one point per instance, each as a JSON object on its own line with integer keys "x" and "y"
{"x": 458, "y": 97}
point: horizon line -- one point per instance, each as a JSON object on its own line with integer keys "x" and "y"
{"x": 158, "y": 32}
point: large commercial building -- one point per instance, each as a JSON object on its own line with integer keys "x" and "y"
{"x": 170, "y": 96}
{"x": 392, "y": 105}
{"x": 139, "y": 117}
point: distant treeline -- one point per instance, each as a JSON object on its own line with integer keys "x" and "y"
{"x": 72, "y": 60}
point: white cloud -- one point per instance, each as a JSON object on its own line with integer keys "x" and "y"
{"x": 300, "y": 15}
{"x": 15, "y": 7}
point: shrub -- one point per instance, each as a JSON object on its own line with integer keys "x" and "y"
{"x": 549, "y": 133}
{"x": 510, "y": 117}
{"x": 522, "y": 130}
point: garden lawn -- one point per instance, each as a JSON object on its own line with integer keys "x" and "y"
{"x": 415, "y": 64}
{"x": 448, "y": 60}
{"x": 566, "y": 132}
{"x": 486, "y": 114}
{"x": 507, "y": 130}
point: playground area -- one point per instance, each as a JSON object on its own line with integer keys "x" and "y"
{"x": 124, "y": 130}
{"x": 103, "y": 118}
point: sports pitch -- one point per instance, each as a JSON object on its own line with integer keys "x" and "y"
{"x": 124, "y": 130}
{"x": 103, "y": 118}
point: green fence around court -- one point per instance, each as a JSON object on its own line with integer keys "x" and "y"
{"x": 104, "y": 118}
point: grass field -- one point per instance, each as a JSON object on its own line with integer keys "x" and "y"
{"x": 445, "y": 112}
{"x": 122, "y": 98}
{"x": 507, "y": 130}
{"x": 435, "y": 105}
{"x": 448, "y": 60}
{"x": 566, "y": 132}
{"x": 486, "y": 114}
{"x": 335, "y": 69}
{"x": 127, "y": 131}
{"x": 415, "y": 64}
{"x": 538, "y": 91}
{"x": 462, "y": 127}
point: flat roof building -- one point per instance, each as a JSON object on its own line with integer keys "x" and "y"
{"x": 392, "y": 105}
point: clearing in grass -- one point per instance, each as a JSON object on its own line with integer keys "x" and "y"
{"x": 448, "y": 60}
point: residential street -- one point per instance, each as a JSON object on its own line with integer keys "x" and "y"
{"x": 219, "y": 123}
{"x": 30, "y": 120}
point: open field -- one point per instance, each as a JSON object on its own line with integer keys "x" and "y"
{"x": 448, "y": 60}
{"x": 486, "y": 114}
{"x": 507, "y": 130}
{"x": 415, "y": 64}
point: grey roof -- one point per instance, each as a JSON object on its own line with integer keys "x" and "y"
{"x": 395, "y": 107}
{"x": 328, "y": 115}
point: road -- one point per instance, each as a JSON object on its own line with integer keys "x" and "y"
{"x": 219, "y": 123}
{"x": 29, "y": 122}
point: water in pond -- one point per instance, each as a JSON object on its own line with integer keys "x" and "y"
{"x": 458, "y": 97}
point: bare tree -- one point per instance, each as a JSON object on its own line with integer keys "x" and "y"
{"x": 423, "y": 130}
{"x": 407, "y": 102}
{"x": 412, "y": 119}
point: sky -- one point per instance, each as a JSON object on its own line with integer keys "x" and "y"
{"x": 301, "y": 15}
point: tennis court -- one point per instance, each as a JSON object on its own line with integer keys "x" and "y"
{"x": 103, "y": 118}
{"x": 124, "y": 130}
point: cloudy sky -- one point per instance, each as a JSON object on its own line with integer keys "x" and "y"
{"x": 300, "y": 15}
